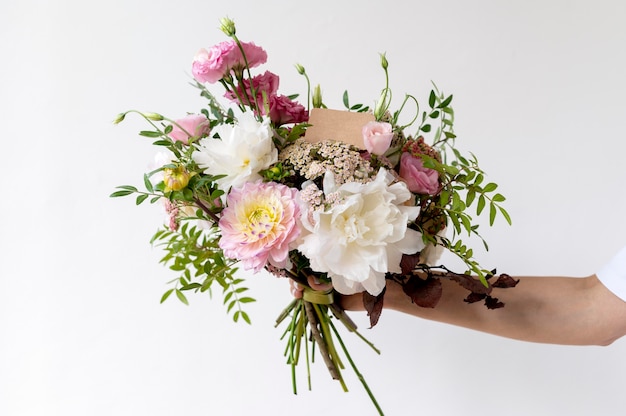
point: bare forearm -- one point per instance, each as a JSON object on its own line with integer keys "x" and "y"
{"x": 556, "y": 310}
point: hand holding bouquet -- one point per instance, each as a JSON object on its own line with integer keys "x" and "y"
{"x": 337, "y": 201}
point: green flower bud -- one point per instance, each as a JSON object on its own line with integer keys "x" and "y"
{"x": 227, "y": 26}
{"x": 153, "y": 116}
{"x": 382, "y": 105}
{"x": 383, "y": 61}
{"x": 120, "y": 117}
{"x": 300, "y": 69}
{"x": 317, "y": 97}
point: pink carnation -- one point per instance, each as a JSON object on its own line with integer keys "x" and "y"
{"x": 283, "y": 110}
{"x": 213, "y": 64}
{"x": 193, "y": 126}
{"x": 419, "y": 179}
{"x": 259, "y": 223}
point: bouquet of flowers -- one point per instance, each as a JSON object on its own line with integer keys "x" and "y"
{"x": 339, "y": 201}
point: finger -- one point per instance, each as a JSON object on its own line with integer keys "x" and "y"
{"x": 315, "y": 284}
{"x": 295, "y": 289}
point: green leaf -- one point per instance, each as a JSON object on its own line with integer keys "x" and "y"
{"x": 141, "y": 198}
{"x": 455, "y": 223}
{"x": 445, "y": 102}
{"x": 506, "y": 215}
{"x": 451, "y": 170}
{"x": 434, "y": 114}
{"x": 227, "y": 297}
{"x": 492, "y": 214}
{"x": 127, "y": 187}
{"x": 498, "y": 198}
{"x": 481, "y": 204}
{"x": 166, "y": 295}
{"x": 120, "y": 193}
{"x": 471, "y": 195}
{"x": 180, "y": 295}
{"x": 444, "y": 198}
{"x": 190, "y": 286}
{"x": 153, "y": 134}
{"x": 242, "y": 315}
{"x": 346, "y": 101}
{"x": 457, "y": 205}
{"x": 490, "y": 187}
{"x": 245, "y": 317}
{"x": 466, "y": 224}
{"x": 425, "y": 128}
{"x": 147, "y": 183}
{"x": 432, "y": 98}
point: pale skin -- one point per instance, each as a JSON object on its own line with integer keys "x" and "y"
{"x": 554, "y": 310}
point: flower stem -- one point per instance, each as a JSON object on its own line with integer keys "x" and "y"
{"x": 207, "y": 210}
{"x": 356, "y": 371}
{"x": 311, "y": 315}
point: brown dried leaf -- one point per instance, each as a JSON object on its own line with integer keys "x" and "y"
{"x": 475, "y": 297}
{"x": 423, "y": 292}
{"x": 505, "y": 281}
{"x": 374, "y": 306}
{"x": 470, "y": 283}
{"x": 408, "y": 262}
{"x": 493, "y": 303}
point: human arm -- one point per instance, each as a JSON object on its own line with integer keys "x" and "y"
{"x": 555, "y": 310}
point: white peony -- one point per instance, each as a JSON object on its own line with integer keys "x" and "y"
{"x": 243, "y": 150}
{"x": 363, "y": 235}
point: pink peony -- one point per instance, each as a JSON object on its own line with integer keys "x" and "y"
{"x": 265, "y": 83}
{"x": 419, "y": 179}
{"x": 212, "y": 65}
{"x": 193, "y": 126}
{"x": 283, "y": 110}
{"x": 377, "y": 137}
{"x": 259, "y": 223}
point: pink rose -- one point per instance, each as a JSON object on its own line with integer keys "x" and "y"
{"x": 212, "y": 65}
{"x": 377, "y": 137}
{"x": 265, "y": 83}
{"x": 419, "y": 179}
{"x": 283, "y": 110}
{"x": 193, "y": 126}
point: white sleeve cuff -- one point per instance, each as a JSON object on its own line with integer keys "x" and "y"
{"x": 613, "y": 274}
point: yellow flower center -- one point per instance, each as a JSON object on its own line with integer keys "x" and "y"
{"x": 260, "y": 219}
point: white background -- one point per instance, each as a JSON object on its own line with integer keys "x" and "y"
{"x": 539, "y": 93}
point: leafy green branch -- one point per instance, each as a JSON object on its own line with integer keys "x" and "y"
{"x": 195, "y": 254}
